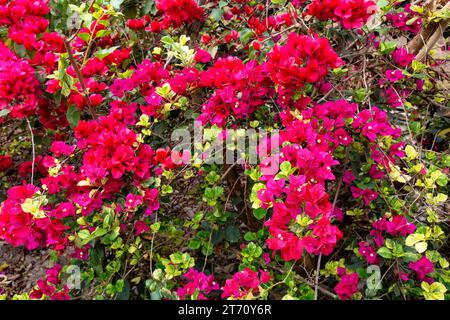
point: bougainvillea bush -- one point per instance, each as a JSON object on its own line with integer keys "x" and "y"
{"x": 352, "y": 204}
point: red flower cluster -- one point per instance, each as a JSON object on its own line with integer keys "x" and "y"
{"x": 199, "y": 284}
{"x": 244, "y": 282}
{"x": 27, "y": 225}
{"x": 348, "y": 285}
{"x": 352, "y": 14}
{"x": 397, "y": 226}
{"x": 368, "y": 253}
{"x": 110, "y": 150}
{"x": 422, "y": 267}
{"x": 146, "y": 77}
{"x": 48, "y": 286}
{"x": 375, "y": 123}
{"x": 405, "y": 19}
{"x": 5, "y": 162}
{"x": 19, "y": 88}
{"x": 323, "y": 239}
{"x": 306, "y": 194}
{"x": 239, "y": 89}
{"x": 402, "y": 57}
{"x": 177, "y": 12}
{"x": 367, "y": 194}
{"x": 24, "y": 20}
{"x": 308, "y": 147}
{"x": 303, "y": 59}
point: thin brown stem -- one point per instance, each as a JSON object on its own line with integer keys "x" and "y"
{"x": 80, "y": 78}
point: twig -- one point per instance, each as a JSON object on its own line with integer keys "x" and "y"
{"x": 316, "y": 283}
{"x": 33, "y": 151}
{"x": 207, "y": 251}
{"x": 151, "y": 246}
{"x": 322, "y": 289}
{"x": 80, "y": 78}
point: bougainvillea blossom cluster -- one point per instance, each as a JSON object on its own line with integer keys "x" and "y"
{"x": 91, "y": 94}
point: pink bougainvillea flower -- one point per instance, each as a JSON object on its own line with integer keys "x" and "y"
{"x": 394, "y": 75}
{"x": 403, "y": 276}
{"x": 399, "y": 225}
{"x": 140, "y": 227}
{"x": 422, "y": 267}
{"x": 244, "y": 282}
{"x": 198, "y": 282}
{"x": 177, "y": 12}
{"x": 402, "y": 57}
{"x": 367, "y": 194}
{"x": 202, "y": 56}
{"x": 61, "y": 148}
{"x": 352, "y": 14}
{"x": 151, "y": 200}
{"x": 368, "y": 253}
{"x": 347, "y": 286}
{"x": 348, "y": 177}
{"x": 133, "y": 200}
{"x": 290, "y": 246}
{"x": 5, "y": 162}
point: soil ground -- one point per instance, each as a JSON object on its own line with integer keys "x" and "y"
{"x": 20, "y": 269}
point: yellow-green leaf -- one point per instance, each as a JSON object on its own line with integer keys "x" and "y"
{"x": 411, "y": 153}
{"x": 435, "y": 291}
{"x": 421, "y": 247}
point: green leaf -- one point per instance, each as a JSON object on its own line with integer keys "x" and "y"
{"x": 246, "y": 35}
{"x": 84, "y": 36}
{"x": 105, "y": 52}
{"x": 412, "y": 239}
{"x": 176, "y": 257}
{"x": 66, "y": 82}
{"x": 167, "y": 40}
{"x": 103, "y": 33}
{"x": 412, "y": 20}
{"x": 250, "y": 236}
{"x": 387, "y": 47}
{"x": 385, "y": 253}
{"x": 382, "y": 3}
{"x": 98, "y": 232}
{"x": 156, "y": 295}
{"x": 232, "y": 234}
{"x": 84, "y": 234}
{"x": 360, "y": 94}
{"x": 389, "y": 244}
{"x": 123, "y": 290}
{"x": 442, "y": 180}
{"x": 73, "y": 115}
{"x": 418, "y": 66}
{"x": 155, "y": 227}
{"x": 86, "y": 17}
{"x": 259, "y": 213}
{"x": 444, "y": 263}
{"x": 119, "y": 285}
{"x": 194, "y": 244}
{"x": 441, "y": 197}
